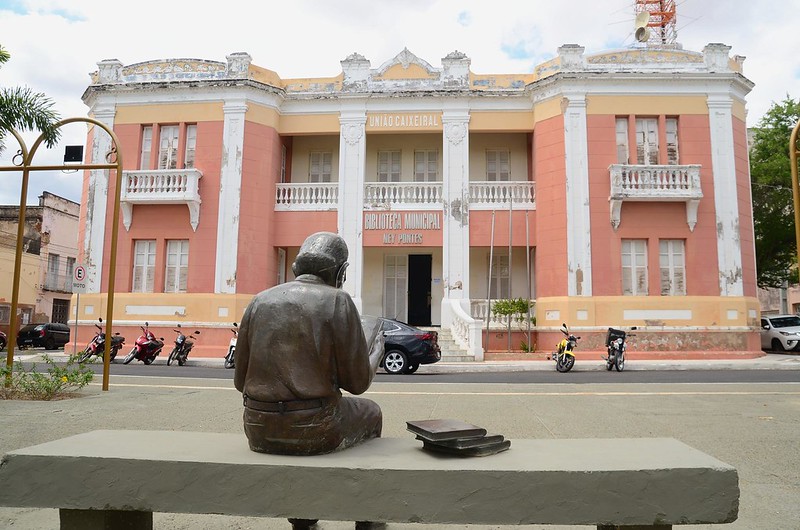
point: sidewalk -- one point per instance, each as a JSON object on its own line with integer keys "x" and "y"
{"x": 770, "y": 361}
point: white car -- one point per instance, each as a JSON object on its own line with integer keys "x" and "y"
{"x": 780, "y": 332}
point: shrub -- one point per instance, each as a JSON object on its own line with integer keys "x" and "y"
{"x": 515, "y": 308}
{"x": 56, "y": 382}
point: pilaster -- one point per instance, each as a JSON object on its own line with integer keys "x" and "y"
{"x": 352, "y": 169}
{"x": 579, "y": 242}
{"x": 455, "y": 192}
{"x": 97, "y": 200}
{"x": 229, "y": 196}
{"x": 726, "y": 201}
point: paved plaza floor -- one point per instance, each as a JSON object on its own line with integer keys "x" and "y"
{"x": 753, "y": 427}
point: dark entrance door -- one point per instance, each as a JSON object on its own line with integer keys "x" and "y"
{"x": 419, "y": 289}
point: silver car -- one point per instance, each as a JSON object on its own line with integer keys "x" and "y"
{"x": 780, "y": 332}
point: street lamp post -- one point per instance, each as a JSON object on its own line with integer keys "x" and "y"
{"x": 25, "y": 159}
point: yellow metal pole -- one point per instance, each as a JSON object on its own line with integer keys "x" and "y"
{"x": 112, "y": 264}
{"x": 794, "y": 150}
{"x": 12, "y": 330}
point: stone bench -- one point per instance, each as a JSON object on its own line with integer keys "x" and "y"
{"x": 113, "y": 479}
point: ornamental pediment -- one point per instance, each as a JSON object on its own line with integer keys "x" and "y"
{"x": 406, "y": 65}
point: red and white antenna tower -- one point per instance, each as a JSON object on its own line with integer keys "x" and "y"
{"x": 655, "y": 22}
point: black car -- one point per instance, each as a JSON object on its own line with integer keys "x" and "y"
{"x": 50, "y": 336}
{"x": 3, "y": 340}
{"x": 406, "y": 347}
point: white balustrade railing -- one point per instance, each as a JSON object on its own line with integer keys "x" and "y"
{"x": 161, "y": 186}
{"x": 466, "y": 331}
{"x": 490, "y": 195}
{"x": 655, "y": 183}
{"x": 413, "y": 195}
{"x": 307, "y": 196}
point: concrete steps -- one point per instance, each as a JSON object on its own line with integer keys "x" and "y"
{"x": 451, "y": 352}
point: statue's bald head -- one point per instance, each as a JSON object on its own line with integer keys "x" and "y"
{"x": 323, "y": 254}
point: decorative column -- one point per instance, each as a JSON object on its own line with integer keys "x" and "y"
{"x": 455, "y": 192}
{"x": 97, "y": 199}
{"x": 726, "y": 201}
{"x": 579, "y": 242}
{"x": 352, "y": 169}
{"x": 234, "y": 111}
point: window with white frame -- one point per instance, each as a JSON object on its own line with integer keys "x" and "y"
{"x": 672, "y": 140}
{"x": 191, "y": 143}
{"x": 168, "y": 147}
{"x": 144, "y": 265}
{"x": 500, "y": 279}
{"x": 389, "y": 166}
{"x": 634, "y": 267}
{"x": 647, "y": 141}
{"x": 147, "y": 146}
{"x": 177, "y": 266}
{"x": 672, "y": 263}
{"x": 319, "y": 168}
{"x": 498, "y": 164}
{"x": 426, "y": 166}
{"x": 623, "y": 153}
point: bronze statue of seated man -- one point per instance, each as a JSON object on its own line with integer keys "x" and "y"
{"x": 300, "y": 344}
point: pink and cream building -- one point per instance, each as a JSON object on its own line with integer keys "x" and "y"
{"x": 612, "y": 189}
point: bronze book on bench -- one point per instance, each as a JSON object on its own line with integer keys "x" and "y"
{"x": 481, "y": 450}
{"x": 446, "y": 429}
{"x": 467, "y": 443}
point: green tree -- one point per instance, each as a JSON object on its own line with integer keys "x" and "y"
{"x": 23, "y": 109}
{"x": 773, "y": 209}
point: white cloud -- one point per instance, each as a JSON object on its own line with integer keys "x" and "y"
{"x": 56, "y": 43}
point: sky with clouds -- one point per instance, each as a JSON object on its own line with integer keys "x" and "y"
{"x": 55, "y": 44}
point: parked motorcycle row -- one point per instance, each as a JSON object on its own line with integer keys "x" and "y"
{"x": 616, "y": 345}
{"x": 147, "y": 347}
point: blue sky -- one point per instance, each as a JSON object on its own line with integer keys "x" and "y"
{"x": 55, "y": 44}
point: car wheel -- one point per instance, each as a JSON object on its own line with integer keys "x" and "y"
{"x": 776, "y": 345}
{"x": 411, "y": 368}
{"x": 2, "y": 344}
{"x": 395, "y": 362}
{"x": 50, "y": 344}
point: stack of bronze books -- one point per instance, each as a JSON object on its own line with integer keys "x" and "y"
{"x": 455, "y": 437}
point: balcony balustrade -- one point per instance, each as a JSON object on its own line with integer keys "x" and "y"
{"x": 656, "y": 184}
{"x": 60, "y": 283}
{"x": 312, "y": 196}
{"x": 161, "y": 186}
{"x": 406, "y": 196}
{"x": 403, "y": 195}
{"x": 499, "y": 195}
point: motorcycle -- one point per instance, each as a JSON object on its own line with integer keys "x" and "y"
{"x": 229, "y": 361}
{"x": 182, "y": 347}
{"x": 564, "y": 356}
{"x": 97, "y": 346}
{"x": 147, "y": 347}
{"x": 616, "y": 346}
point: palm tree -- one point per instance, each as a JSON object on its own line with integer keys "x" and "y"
{"x": 25, "y": 110}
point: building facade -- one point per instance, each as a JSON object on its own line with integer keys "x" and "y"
{"x": 610, "y": 189}
{"x": 50, "y": 250}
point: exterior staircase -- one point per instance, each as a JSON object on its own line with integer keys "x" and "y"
{"x": 451, "y": 351}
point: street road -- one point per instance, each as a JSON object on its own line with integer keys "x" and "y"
{"x": 576, "y": 376}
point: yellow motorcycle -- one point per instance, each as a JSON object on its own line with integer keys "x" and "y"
{"x": 564, "y": 356}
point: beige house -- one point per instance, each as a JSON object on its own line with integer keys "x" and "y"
{"x": 48, "y": 259}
